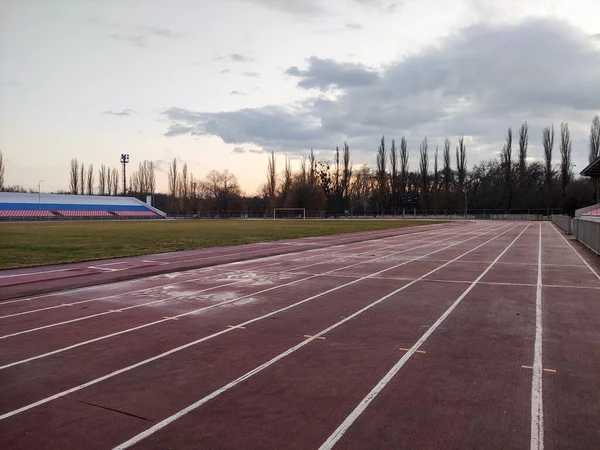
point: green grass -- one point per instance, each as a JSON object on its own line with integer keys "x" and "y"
{"x": 33, "y": 244}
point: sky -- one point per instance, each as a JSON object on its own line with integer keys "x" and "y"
{"x": 221, "y": 84}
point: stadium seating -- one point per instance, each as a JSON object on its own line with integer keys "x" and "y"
{"x": 84, "y": 213}
{"x": 595, "y": 213}
{"x": 32, "y": 206}
{"x": 135, "y": 213}
{"x": 25, "y": 213}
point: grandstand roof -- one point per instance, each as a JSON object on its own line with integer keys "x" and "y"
{"x": 592, "y": 170}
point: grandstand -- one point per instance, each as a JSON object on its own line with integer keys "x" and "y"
{"x": 18, "y": 206}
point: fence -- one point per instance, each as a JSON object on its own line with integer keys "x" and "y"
{"x": 588, "y": 233}
{"x": 564, "y": 222}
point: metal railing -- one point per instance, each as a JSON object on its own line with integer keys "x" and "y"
{"x": 562, "y": 221}
{"x": 587, "y": 232}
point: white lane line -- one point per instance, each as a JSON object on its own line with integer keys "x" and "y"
{"x": 369, "y": 243}
{"x": 33, "y": 273}
{"x": 578, "y": 254}
{"x": 176, "y": 283}
{"x": 165, "y": 422}
{"x": 110, "y": 311}
{"x": 70, "y": 347}
{"x": 537, "y": 405}
{"x": 363, "y": 405}
{"x": 206, "y": 338}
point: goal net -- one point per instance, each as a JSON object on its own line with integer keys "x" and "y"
{"x": 289, "y": 213}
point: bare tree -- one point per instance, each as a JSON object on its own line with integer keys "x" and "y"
{"x": 436, "y": 175}
{"x": 346, "y": 174}
{"x": 447, "y": 171}
{"x": 90, "y": 180}
{"x": 1, "y": 171}
{"x": 548, "y": 143}
{"x": 115, "y": 181}
{"x": 565, "y": 155}
{"x": 151, "y": 177}
{"x": 394, "y": 181}
{"x": 173, "y": 181}
{"x": 82, "y": 179}
{"x": 424, "y": 172}
{"x": 381, "y": 175}
{"x": 222, "y": 188}
{"x": 594, "y": 153}
{"x": 403, "y": 164}
{"x": 272, "y": 178}
{"x": 312, "y": 172}
{"x": 74, "y": 177}
{"x": 102, "y": 180}
{"x": 461, "y": 163}
{"x": 286, "y": 185}
{"x": 523, "y": 142}
{"x": 336, "y": 175}
{"x": 506, "y": 158}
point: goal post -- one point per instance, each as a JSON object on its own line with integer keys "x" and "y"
{"x": 289, "y": 213}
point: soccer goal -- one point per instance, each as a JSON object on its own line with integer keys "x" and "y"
{"x": 289, "y": 213}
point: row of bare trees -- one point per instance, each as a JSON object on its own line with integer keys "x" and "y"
{"x": 511, "y": 182}
{"x": 218, "y": 192}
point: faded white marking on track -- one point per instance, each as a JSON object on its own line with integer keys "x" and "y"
{"x": 366, "y": 401}
{"x": 537, "y": 405}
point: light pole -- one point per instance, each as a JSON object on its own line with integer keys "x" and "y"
{"x": 40, "y": 198}
{"x": 124, "y": 161}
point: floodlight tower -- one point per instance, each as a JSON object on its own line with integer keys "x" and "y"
{"x": 124, "y": 161}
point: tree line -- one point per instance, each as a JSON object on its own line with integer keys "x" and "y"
{"x": 441, "y": 181}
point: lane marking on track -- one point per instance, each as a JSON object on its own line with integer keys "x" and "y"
{"x": 236, "y": 326}
{"x": 160, "y": 425}
{"x": 70, "y": 347}
{"x": 408, "y": 349}
{"x": 366, "y": 401}
{"x": 537, "y": 399}
{"x": 218, "y": 267}
{"x": 318, "y": 337}
{"x": 90, "y": 316}
{"x": 166, "y": 299}
{"x": 170, "y": 318}
{"x": 578, "y": 254}
{"x": 210, "y": 254}
{"x": 114, "y": 310}
{"x": 219, "y": 333}
{"x": 545, "y": 370}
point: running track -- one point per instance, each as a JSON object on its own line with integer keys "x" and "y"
{"x": 476, "y": 335}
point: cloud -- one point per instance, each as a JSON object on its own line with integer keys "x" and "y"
{"x": 239, "y": 150}
{"x": 324, "y": 74}
{"x": 138, "y": 41}
{"x": 477, "y": 82}
{"x": 158, "y": 31}
{"x": 296, "y": 7}
{"x": 140, "y": 35}
{"x": 240, "y": 58}
{"x": 256, "y": 151}
{"x": 236, "y": 93}
{"x": 125, "y": 112}
{"x": 251, "y": 74}
{"x": 225, "y": 71}
{"x": 353, "y": 26}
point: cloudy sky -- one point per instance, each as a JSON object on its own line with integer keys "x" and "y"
{"x": 218, "y": 84}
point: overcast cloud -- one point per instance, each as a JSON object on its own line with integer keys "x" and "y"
{"x": 477, "y": 83}
{"x": 219, "y": 84}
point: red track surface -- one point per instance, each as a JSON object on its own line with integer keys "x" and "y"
{"x": 428, "y": 338}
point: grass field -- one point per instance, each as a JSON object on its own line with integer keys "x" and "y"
{"x": 33, "y": 244}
